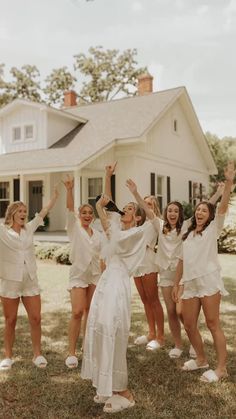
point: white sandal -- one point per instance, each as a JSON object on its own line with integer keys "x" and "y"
{"x": 71, "y": 361}
{"x": 175, "y": 353}
{"x": 153, "y": 345}
{"x": 100, "y": 399}
{"x": 117, "y": 403}
{"x": 141, "y": 340}
{"x": 40, "y": 361}
{"x": 6, "y": 364}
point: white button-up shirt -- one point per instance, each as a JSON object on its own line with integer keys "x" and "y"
{"x": 17, "y": 250}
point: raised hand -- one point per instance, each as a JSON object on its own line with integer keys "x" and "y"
{"x": 103, "y": 200}
{"x": 230, "y": 172}
{"x": 220, "y": 188}
{"x": 69, "y": 182}
{"x": 110, "y": 169}
{"x": 131, "y": 185}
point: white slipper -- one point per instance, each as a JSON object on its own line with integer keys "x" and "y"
{"x": 211, "y": 377}
{"x": 71, "y": 361}
{"x": 100, "y": 399}
{"x": 191, "y": 365}
{"x": 117, "y": 403}
{"x": 6, "y": 364}
{"x": 141, "y": 340}
{"x": 40, "y": 361}
{"x": 192, "y": 352}
{"x": 153, "y": 345}
{"x": 175, "y": 353}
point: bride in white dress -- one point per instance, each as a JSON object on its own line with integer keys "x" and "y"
{"x": 106, "y": 340}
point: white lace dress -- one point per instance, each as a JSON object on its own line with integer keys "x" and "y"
{"x": 108, "y": 325}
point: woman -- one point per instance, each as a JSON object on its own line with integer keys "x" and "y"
{"x": 203, "y": 285}
{"x": 170, "y": 231}
{"x": 145, "y": 279}
{"x": 106, "y": 339}
{"x": 85, "y": 269}
{"x": 19, "y": 277}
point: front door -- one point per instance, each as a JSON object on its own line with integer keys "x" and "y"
{"x": 35, "y": 197}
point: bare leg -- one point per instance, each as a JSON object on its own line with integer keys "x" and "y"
{"x": 78, "y": 302}
{"x": 173, "y": 318}
{"x": 10, "y": 309}
{"x": 211, "y": 307}
{"x": 191, "y": 310}
{"x": 147, "y": 307}
{"x": 89, "y": 295}
{"x": 151, "y": 290}
{"x": 33, "y": 308}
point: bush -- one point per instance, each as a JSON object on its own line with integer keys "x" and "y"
{"x": 54, "y": 251}
{"x": 227, "y": 240}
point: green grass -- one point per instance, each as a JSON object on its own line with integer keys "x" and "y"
{"x": 161, "y": 389}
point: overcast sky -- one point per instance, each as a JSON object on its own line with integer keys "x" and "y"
{"x": 188, "y": 43}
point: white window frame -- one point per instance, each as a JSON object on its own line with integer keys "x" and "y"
{"x": 33, "y": 131}
{"x": 98, "y": 192}
{"x": 160, "y": 195}
{"x": 23, "y": 138}
{"x": 18, "y": 140}
{"x": 9, "y": 197}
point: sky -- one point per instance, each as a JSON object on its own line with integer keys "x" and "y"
{"x": 189, "y": 43}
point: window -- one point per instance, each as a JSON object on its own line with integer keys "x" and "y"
{"x": 175, "y": 125}
{"x": 4, "y": 197}
{"x": 28, "y": 132}
{"x": 94, "y": 189}
{"x": 16, "y": 133}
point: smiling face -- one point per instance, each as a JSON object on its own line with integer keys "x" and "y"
{"x": 86, "y": 215}
{"x": 150, "y": 203}
{"x": 19, "y": 216}
{"x": 202, "y": 215}
{"x": 172, "y": 215}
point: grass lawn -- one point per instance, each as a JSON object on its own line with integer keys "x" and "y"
{"x": 161, "y": 389}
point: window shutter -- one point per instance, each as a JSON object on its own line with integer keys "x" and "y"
{"x": 190, "y": 194}
{"x": 113, "y": 187}
{"x": 168, "y": 195}
{"x": 152, "y": 184}
{"x": 16, "y": 189}
{"x": 200, "y": 191}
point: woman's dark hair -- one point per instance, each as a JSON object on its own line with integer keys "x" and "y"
{"x": 139, "y": 212}
{"x": 193, "y": 224}
{"x": 167, "y": 226}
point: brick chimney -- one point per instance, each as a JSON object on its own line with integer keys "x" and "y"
{"x": 145, "y": 84}
{"x": 70, "y": 98}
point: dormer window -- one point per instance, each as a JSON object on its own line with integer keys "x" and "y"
{"x": 28, "y": 132}
{"x": 16, "y": 134}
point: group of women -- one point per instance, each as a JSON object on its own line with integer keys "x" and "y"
{"x": 99, "y": 282}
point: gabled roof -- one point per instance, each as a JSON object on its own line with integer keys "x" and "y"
{"x": 41, "y": 106}
{"x": 117, "y": 121}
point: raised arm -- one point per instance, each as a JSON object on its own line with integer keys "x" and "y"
{"x": 218, "y": 193}
{"x": 69, "y": 185}
{"x": 133, "y": 189}
{"x": 229, "y": 180}
{"x": 110, "y": 170}
{"x": 100, "y": 204}
{"x": 50, "y": 204}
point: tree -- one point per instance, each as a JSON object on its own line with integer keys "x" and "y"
{"x": 5, "y": 97}
{"x": 220, "y": 154}
{"x": 57, "y": 83}
{"x": 110, "y": 73}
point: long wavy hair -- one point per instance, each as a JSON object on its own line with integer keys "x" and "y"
{"x": 193, "y": 224}
{"x": 10, "y": 212}
{"x": 139, "y": 212}
{"x": 167, "y": 226}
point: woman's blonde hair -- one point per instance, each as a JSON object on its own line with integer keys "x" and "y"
{"x": 10, "y": 212}
{"x": 81, "y": 208}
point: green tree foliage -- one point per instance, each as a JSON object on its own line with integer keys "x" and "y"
{"x": 57, "y": 83}
{"x": 222, "y": 150}
{"x": 25, "y": 83}
{"x": 109, "y": 73}
{"x": 5, "y": 96}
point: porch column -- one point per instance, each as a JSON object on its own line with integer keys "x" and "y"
{"x": 77, "y": 188}
{"x": 22, "y": 189}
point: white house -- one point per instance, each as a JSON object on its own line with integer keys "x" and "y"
{"x": 155, "y": 137}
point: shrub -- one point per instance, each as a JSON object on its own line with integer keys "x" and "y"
{"x": 227, "y": 240}
{"x": 53, "y": 251}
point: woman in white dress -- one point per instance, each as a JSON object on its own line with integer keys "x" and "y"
{"x": 145, "y": 278}
{"x": 85, "y": 269}
{"x": 18, "y": 274}
{"x": 170, "y": 230}
{"x": 203, "y": 285}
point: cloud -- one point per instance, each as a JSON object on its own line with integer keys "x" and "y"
{"x": 137, "y": 6}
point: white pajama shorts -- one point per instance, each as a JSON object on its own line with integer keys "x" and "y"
{"x": 14, "y": 289}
